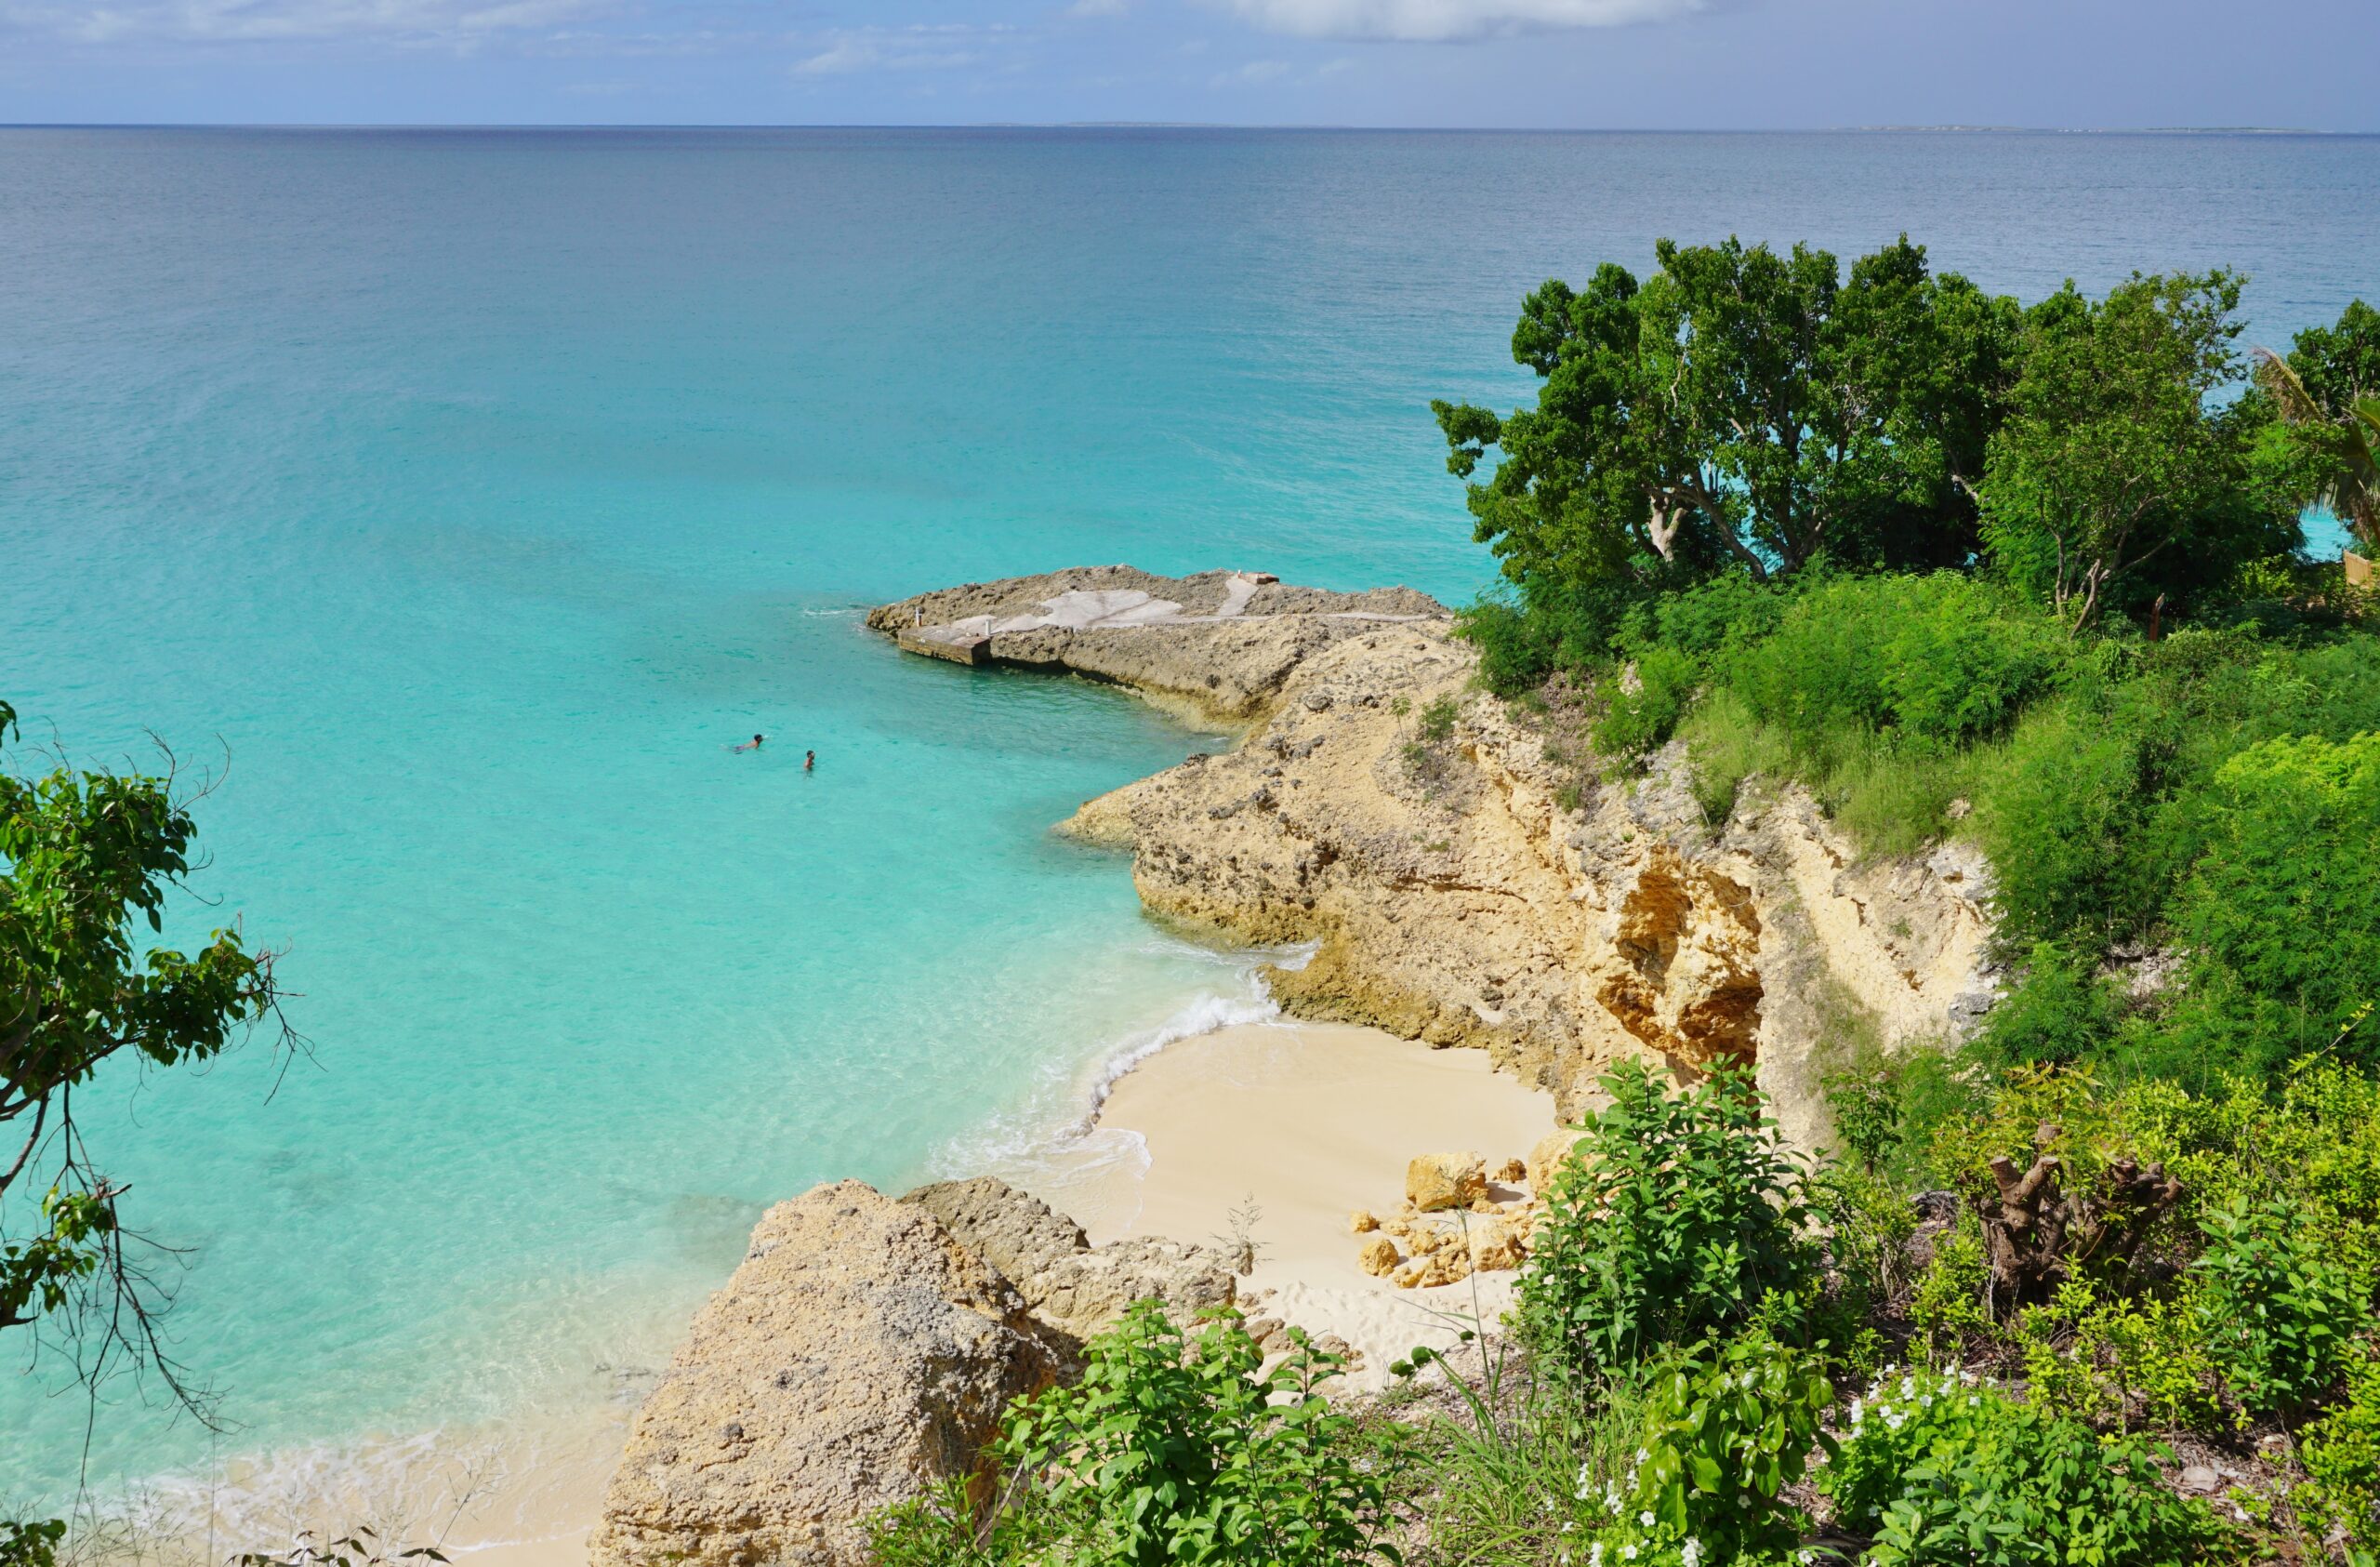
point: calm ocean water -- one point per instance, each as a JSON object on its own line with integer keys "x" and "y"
{"x": 471, "y": 492}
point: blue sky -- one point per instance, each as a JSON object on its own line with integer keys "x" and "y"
{"x": 1560, "y": 63}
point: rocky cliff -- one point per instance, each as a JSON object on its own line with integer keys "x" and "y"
{"x": 1462, "y": 883}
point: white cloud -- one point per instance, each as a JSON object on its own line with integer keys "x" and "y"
{"x": 296, "y": 20}
{"x": 852, "y": 50}
{"x": 1444, "y": 20}
{"x": 1099, "y": 8}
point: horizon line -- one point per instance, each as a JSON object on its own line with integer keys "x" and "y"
{"x": 1947, "y": 129}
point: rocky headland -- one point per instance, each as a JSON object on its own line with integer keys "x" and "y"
{"x": 1465, "y": 883}
{"x": 1462, "y": 878}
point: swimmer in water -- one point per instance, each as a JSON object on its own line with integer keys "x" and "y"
{"x": 755, "y": 744}
{"x": 809, "y": 761}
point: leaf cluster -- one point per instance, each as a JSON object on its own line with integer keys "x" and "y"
{"x": 1676, "y": 1216}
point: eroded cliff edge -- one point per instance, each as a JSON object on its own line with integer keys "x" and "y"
{"x": 1461, "y": 885}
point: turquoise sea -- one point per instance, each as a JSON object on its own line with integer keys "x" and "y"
{"x": 453, "y": 499}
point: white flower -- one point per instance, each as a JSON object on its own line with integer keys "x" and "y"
{"x": 1642, "y": 1455}
{"x": 1627, "y": 1553}
{"x": 1646, "y": 1518}
{"x": 1594, "y": 1557}
{"x": 1692, "y": 1554}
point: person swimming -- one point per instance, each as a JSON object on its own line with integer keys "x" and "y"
{"x": 754, "y": 744}
{"x": 809, "y": 761}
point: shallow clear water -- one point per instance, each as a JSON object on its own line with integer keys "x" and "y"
{"x": 474, "y": 491}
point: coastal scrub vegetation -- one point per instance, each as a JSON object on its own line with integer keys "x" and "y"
{"x": 2095, "y": 1284}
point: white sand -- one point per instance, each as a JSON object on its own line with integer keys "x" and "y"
{"x": 1309, "y": 1122}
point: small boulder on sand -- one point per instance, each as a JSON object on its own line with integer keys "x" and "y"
{"x": 1434, "y": 1181}
{"x": 1378, "y": 1257}
{"x": 1546, "y": 1159}
{"x": 1494, "y": 1247}
{"x": 1512, "y": 1172}
{"x": 1362, "y": 1222}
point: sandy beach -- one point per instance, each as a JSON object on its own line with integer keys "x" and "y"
{"x": 1304, "y": 1124}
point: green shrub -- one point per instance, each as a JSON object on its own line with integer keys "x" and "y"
{"x": 1725, "y": 1434}
{"x": 1643, "y": 711}
{"x": 1438, "y": 719}
{"x": 2278, "y": 1312}
{"x": 2064, "y": 818}
{"x": 1947, "y": 1309}
{"x": 1939, "y": 660}
{"x": 1679, "y": 1215}
{"x": 1172, "y": 1450}
{"x": 30, "y": 1544}
{"x": 1938, "y": 1468}
{"x": 2092, "y": 1356}
{"x": 2342, "y": 1456}
{"x": 2062, "y": 1012}
{"x": 2282, "y": 916}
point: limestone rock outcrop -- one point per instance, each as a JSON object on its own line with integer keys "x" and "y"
{"x": 1219, "y": 644}
{"x": 1070, "y": 1284}
{"x": 1464, "y": 877}
{"x": 859, "y": 1355}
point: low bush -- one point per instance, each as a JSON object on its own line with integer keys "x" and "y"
{"x": 1938, "y": 1467}
{"x": 2277, "y": 1310}
{"x": 2282, "y": 915}
{"x": 1680, "y": 1213}
{"x": 1173, "y": 1449}
{"x": 1726, "y": 1433}
{"x": 2342, "y": 1456}
{"x": 1935, "y": 661}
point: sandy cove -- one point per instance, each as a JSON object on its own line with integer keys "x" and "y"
{"x": 1306, "y": 1122}
{"x": 1463, "y": 879}
{"x": 1312, "y": 1121}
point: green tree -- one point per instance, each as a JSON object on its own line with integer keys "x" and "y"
{"x": 84, "y": 855}
{"x": 2111, "y": 456}
{"x": 1739, "y": 408}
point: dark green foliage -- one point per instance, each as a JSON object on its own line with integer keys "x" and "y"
{"x": 1738, "y": 409}
{"x": 29, "y": 1545}
{"x": 1173, "y": 1449}
{"x": 1680, "y": 1214}
{"x": 2112, "y": 481}
{"x": 2278, "y": 1312}
{"x": 1938, "y": 1468}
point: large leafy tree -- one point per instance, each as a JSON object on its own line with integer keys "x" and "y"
{"x": 1740, "y": 408}
{"x": 2114, "y": 473}
{"x": 86, "y": 859}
